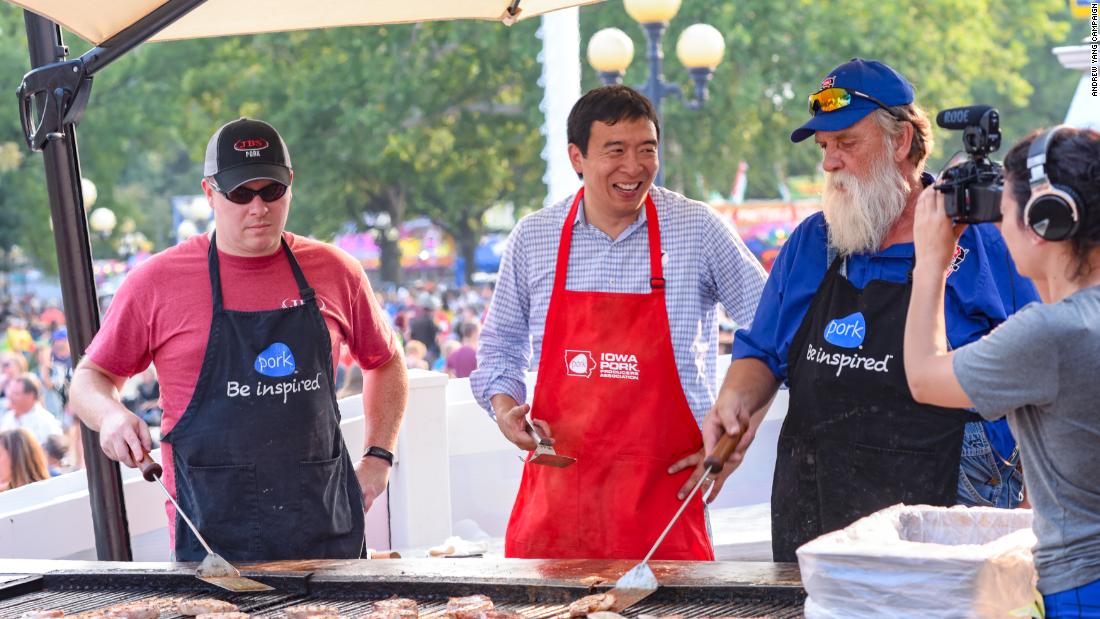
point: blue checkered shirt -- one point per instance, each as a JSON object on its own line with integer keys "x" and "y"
{"x": 705, "y": 263}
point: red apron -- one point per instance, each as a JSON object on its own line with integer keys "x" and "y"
{"x": 609, "y": 388}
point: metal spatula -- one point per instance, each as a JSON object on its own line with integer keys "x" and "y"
{"x": 638, "y": 583}
{"x": 544, "y": 451}
{"x": 213, "y": 569}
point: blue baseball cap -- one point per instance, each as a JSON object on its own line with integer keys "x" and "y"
{"x": 869, "y": 77}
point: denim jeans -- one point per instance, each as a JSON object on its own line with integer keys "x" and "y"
{"x": 1079, "y": 603}
{"x": 984, "y": 479}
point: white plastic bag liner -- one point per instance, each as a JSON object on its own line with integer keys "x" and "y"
{"x": 922, "y": 561}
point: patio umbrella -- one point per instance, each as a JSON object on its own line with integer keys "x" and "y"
{"x": 97, "y": 22}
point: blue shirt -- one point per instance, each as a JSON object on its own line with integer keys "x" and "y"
{"x": 983, "y": 289}
{"x": 705, "y": 263}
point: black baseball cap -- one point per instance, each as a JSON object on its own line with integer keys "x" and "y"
{"x": 245, "y": 150}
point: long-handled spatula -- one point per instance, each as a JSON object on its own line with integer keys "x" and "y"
{"x": 640, "y": 582}
{"x": 213, "y": 569}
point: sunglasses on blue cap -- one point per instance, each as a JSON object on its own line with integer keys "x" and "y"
{"x": 835, "y": 98}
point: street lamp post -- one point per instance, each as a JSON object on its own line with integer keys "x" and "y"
{"x": 700, "y": 48}
{"x": 102, "y": 221}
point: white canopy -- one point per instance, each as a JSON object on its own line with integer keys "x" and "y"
{"x": 98, "y": 20}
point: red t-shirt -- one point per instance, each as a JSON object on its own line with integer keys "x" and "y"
{"x": 162, "y": 313}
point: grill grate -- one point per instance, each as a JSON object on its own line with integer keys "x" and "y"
{"x": 271, "y": 606}
{"x": 533, "y": 590}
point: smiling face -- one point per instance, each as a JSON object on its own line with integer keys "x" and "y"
{"x": 619, "y": 167}
{"x": 252, "y": 229}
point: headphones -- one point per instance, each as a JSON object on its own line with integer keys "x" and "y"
{"x": 1052, "y": 211}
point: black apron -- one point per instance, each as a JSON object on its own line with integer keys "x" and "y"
{"x": 854, "y": 440}
{"x": 260, "y": 463}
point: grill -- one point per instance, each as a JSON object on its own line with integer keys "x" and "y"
{"x": 534, "y": 589}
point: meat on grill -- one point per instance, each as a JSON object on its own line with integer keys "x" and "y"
{"x": 133, "y": 610}
{"x": 497, "y": 613}
{"x": 591, "y": 604}
{"x": 395, "y": 608}
{"x": 312, "y": 611}
{"x": 205, "y": 606}
{"x": 229, "y": 615}
{"x": 470, "y": 607}
{"x": 43, "y": 614}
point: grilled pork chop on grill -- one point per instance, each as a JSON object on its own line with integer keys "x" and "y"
{"x": 204, "y": 606}
{"x": 312, "y": 611}
{"x": 43, "y": 614}
{"x": 134, "y": 610}
{"x": 395, "y": 608}
{"x": 470, "y": 607}
{"x": 595, "y": 603}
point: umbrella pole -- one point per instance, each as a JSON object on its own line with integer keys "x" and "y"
{"x": 59, "y": 91}
{"x": 74, "y": 263}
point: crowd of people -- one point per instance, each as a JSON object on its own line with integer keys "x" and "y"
{"x": 439, "y": 326}
{"x": 36, "y": 431}
{"x": 39, "y": 435}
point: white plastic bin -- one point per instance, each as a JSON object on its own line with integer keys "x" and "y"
{"x": 923, "y": 561}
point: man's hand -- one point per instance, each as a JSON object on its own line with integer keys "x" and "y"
{"x": 513, "y": 425}
{"x": 512, "y": 421}
{"x": 124, "y": 437}
{"x": 731, "y": 416}
{"x": 373, "y": 475}
{"x": 696, "y": 460}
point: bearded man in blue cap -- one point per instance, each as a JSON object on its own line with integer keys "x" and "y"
{"x": 830, "y": 326}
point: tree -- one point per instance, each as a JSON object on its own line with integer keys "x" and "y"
{"x": 777, "y": 56}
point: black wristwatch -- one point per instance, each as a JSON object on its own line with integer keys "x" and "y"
{"x": 378, "y": 452}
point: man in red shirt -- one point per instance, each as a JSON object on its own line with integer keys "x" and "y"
{"x": 242, "y": 325}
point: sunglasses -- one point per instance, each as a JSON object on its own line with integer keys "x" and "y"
{"x": 832, "y": 99}
{"x": 244, "y": 195}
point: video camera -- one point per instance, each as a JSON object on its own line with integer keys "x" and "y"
{"x": 972, "y": 189}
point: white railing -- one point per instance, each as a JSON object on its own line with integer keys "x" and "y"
{"x": 452, "y": 467}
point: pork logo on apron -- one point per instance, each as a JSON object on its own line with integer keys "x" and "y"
{"x": 276, "y": 360}
{"x": 579, "y": 363}
{"x": 847, "y": 332}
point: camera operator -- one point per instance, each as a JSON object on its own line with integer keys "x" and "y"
{"x": 1038, "y": 367}
{"x": 831, "y": 321}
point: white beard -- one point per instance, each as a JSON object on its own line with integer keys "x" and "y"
{"x": 861, "y": 211}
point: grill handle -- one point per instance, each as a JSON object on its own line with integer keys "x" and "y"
{"x": 721, "y": 453}
{"x": 150, "y": 469}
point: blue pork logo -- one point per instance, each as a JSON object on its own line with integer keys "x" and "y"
{"x": 276, "y": 360}
{"x": 847, "y": 332}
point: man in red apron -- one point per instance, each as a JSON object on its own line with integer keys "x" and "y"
{"x": 616, "y": 287}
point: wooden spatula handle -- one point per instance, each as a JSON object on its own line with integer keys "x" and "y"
{"x": 716, "y": 459}
{"x": 150, "y": 470}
